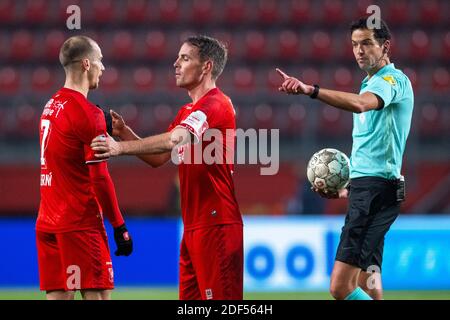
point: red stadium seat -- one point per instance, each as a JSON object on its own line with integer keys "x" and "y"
{"x": 360, "y": 9}
{"x": 110, "y": 81}
{"x": 268, "y": 12}
{"x": 296, "y": 119}
{"x": 300, "y": 12}
{"x": 4, "y": 123}
{"x": 7, "y": 11}
{"x": 441, "y": 80}
{"x": 235, "y": 12}
{"x": 36, "y": 11}
{"x": 343, "y": 80}
{"x": 264, "y": 116}
{"x": 414, "y": 78}
{"x": 255, "y": 45}
{"x": 398, "y": 13}
{"x": 123, "y": 45}
{"x": 245, "y": 116}
{"x": 202, "y": 12}
{"x": 137, "y": 11}
{"x": 9, "y": 80}
{"x": 430, "y": 12}
{"x": 103, "y": 11}
{"x": 155, "y": 45}
{"x": 131, "y": 115}
{"x": 419, "y": 45}
{"x": 42, "y": 80}
{"x": 53, "y": 42}
{"x": 288, "y": 45}
{"x": 244, "y": 80}
{"x": 4, "y": 44}
{"x": 445, "y": 48}
{"x": 22, "y": 46}
{"x": 143, "y": 79}
{"x": 169, "y": 11}
{"x": 332, "y": 122}
{"x": 310, "y": 76}
{"x": 332, "y": 12}
{"x": 431, "y": 121}
{"x": 321, "y": 45}
{"x": 162, "y": 116}
{"x": 27, "y": 121}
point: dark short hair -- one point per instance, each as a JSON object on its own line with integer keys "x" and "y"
{"x": 381, "y": 34}
{"x": 74, "y": 49}
{"x": 210, "y": 49}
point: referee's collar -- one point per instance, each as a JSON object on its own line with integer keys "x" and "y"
{"x": 385, "y": 68}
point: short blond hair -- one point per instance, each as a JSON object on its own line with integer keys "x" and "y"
{"x": 74, "y": 49}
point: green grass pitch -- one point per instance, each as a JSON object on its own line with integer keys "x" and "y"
{"x": 122, "y": 293}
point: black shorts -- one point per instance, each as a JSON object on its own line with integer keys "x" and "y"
{"x": 373, "y": 207}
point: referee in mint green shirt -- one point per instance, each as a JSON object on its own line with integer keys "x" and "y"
{"x": 382, "y": 114}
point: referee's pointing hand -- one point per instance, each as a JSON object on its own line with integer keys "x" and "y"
{"x": 292, "y": 85}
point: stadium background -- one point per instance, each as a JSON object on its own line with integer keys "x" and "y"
{"x": 309, "y": 39}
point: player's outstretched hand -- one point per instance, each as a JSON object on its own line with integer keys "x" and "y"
{"x": 118, "y": 124}
{"x": 123, "y": 241}
{"x": 343, "y": 193}
{"x": 292, "y": 85}
{"x": 105, "y": 147}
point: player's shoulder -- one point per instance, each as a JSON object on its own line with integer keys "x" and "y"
{"x": 394, "y": 76}
{"x": 217, "y": 100}
{"x": 79, "y": 103}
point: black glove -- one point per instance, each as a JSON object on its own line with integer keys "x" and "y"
{"x": 123, "y": 241}
{"x": 108, "y": 120}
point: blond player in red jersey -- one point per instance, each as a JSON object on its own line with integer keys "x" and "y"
{"x": 76, "y": 188}
{"x": 211, "y": 255}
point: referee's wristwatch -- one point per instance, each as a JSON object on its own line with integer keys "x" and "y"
{"x": 315, "y": 92}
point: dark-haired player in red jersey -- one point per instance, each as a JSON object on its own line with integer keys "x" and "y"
{"x": 76, "y": 188}
{"x": 211, "y": 257}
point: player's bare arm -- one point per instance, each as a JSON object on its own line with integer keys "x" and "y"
{"x": 159, "y": 144}
{"x": 342, "y": 100}
{"x": 125, "y": 133}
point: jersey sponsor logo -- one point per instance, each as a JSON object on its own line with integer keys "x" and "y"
{"x": 53, "y": 107}
{"x": 46, "y": 180}
{"x": 390, "y": 80}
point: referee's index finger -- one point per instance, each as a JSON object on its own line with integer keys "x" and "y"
{"x": 281, "y": 73}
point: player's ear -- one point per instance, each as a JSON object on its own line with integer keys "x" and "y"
{"x": 207, "y": 66}
{"x": 86, "y": 64}
{"x": 386, "y": 46}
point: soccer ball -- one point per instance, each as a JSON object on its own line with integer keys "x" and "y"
{"x": 328, "y": 169}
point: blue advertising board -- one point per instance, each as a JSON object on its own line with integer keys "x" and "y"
{"x": 280, "y": 253}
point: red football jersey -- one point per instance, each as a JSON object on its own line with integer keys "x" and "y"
{"x": 207, "y": 188}
{"x": 68, "y": 124}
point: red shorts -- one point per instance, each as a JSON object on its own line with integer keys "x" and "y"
{"x": 74, "y": 260}
{"x": 212, "y": 263}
